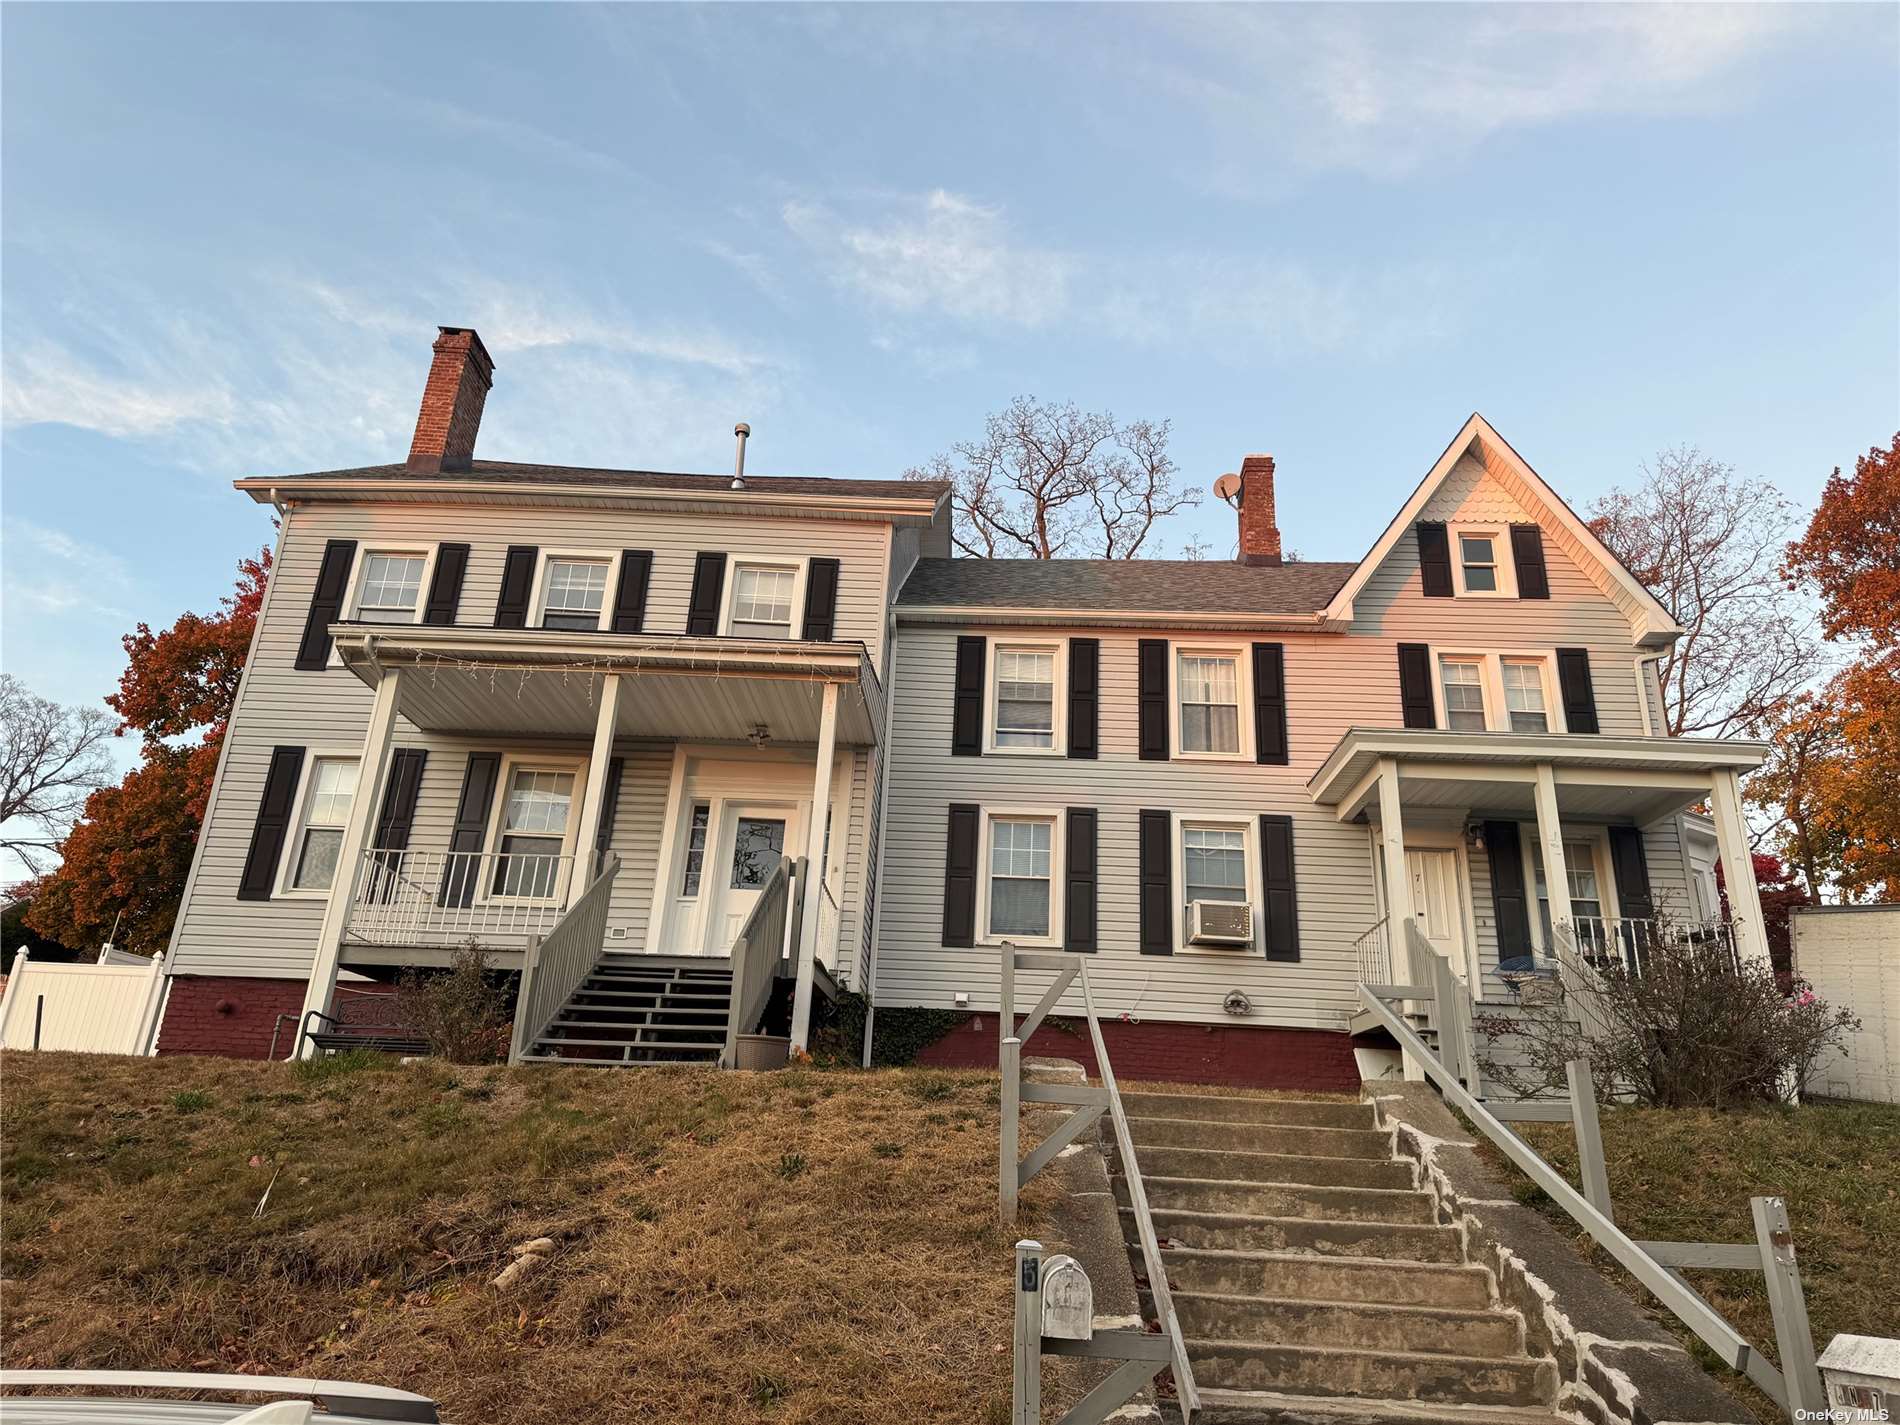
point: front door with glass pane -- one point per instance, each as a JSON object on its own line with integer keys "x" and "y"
{"x": 752, "y": 838}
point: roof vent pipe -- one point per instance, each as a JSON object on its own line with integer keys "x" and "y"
{"x": 742, "y": 430}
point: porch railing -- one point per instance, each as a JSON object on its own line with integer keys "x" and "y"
{"x": 443, "y": 897}
{"x": 769, "y": 934}
{"x": 1375, "y": 955}
{"x": 1628, "y": 940}
{"x": 554, "y": 967}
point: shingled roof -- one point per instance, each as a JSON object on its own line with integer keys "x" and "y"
{"x": 1117, "y": 585}
{"x": 509, "y": 472}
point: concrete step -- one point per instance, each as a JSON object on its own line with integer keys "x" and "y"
{"x": 1431, "y": 1329}
{"x": 1291, "y": 1276}
{"x": 1382, "y": 1375}
{"x": 1261, "y": 1138}
{"x": 1234, "y": 1166}
{"x": 1336, "y": 1204}
{"x": 1219, "y": 1108}
{"x": 1261, "y": 1407}
{"x": 1395, "y": 1241}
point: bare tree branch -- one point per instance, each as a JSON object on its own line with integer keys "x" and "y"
{"x": 51, "y": 759}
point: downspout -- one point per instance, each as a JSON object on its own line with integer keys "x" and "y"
{"x": 883, "y": 840}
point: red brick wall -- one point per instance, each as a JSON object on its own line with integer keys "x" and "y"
{"x": 1262, "y": 1058}
{"x": 1259, "y": 534}
{"x": 452, "y": 401}
{"x": 228, "y": 1015}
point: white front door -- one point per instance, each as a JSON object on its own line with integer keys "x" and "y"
{"x": 752, "y": 837}
{"x": 1436, "y": 902}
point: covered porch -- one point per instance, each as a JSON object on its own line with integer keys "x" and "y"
{"x": 532, "y": 857}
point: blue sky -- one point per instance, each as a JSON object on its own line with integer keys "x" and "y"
{"x": 1329, "y": 233}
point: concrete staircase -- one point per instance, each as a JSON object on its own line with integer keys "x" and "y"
{"x": 1312, "y": 1280}
{"x": 642, "y": 1010}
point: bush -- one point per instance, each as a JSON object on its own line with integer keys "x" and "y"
{"x": 460, "y": 1012}
{"x": 1693, "y": 1029}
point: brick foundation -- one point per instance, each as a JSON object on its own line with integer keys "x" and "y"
{"x": 229, "y": 1015}
{"x": 1243, "y": 1057}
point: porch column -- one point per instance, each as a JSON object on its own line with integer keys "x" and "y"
{"x": 1550, "y": 842}
{"x": 1738, "y": 865}
{"x": 1398, "y": 882}
{"x": 815, "y": 869}
{"x": 372, "y": 769}
{"x": 594, "y": 799}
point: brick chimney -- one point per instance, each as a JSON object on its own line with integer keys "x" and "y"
{"x": 1259, "y": 535}
{"x": 452, "y": 404}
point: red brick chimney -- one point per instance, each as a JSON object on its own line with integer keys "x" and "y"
{"x": 452, "y": 403}
{"x": 1259, "y": 535}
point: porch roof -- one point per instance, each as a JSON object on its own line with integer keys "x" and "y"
{"x": 545, "y": 682}
{"x": 1599, "y": 778}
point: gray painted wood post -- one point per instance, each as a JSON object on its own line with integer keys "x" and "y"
{"x": 1794, "y": 1339}
{"x": 1007, "y": 1180}
{"x": 1026, "y": 1396}
{"x": 1583, "y": 1117}
{"x": 518, "y": 1041}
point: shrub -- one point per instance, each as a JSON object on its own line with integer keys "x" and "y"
{"x": 460, "y": 1012}
{"x": 1694, "y": 1028}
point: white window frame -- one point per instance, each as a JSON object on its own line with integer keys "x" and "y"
{"x": 537, "y": 599}
{"x": 800, "y": 567}
{"x": 512, "y": 762}
{"x": 352, "y": 590}
{"x": 1503, "y": 560}
{"x": 1059, "y": 712}
{"x": 1241, "y": 653}
{"x": 1597, "y": 838}
{"x": 1248, "y": 827}
{"x": 1057, "y": 818}
{"x": 293, "y": 843}
{"x": 1497, "y": 717}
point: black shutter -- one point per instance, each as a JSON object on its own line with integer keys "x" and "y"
{"x": 1434, "y": 559}
{"x": 1085, "y": 683}
{"x": 609, "y": 803}
{"x": 1580, "y": 698}
{"x": 1279, "y": 903}
{"x": 517, "y": 586}
{"x": 326, "y": 604}
{"x": 1527, "y": 553}
{"x": 1415, "y": 685}
{"x": 274, "y": 811}
{"x": 1151, "y": 666}
{"x": 959, "y": 878}
{"x": 966, "y": 705}
{"x": 1078, "y": 873}
{"x": 630, "y": 594}
{"x": 709, "y": 587}
{"x": 1157, "y": 883}
{"x": 445, "y": 585}
{"x": 471, "y": 829}
{"x": 821, "y": 601}
{"x": 1508, "y": 901}
{"x": 394, "y": 821}
{"x": 1630, "y": 865}
{"x": 1269, "y": 703}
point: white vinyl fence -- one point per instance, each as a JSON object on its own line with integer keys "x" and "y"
{"x": 106, "y": 1008}
{"x": 1850, "y": 954}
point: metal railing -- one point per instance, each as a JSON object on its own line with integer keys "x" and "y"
{"x": 1375, "y": 955}
{"x": 557, "y": 965}
{"x": 1627, "y": 941}
{"x": 1796, "y": 1385}
{"x": 1089, "y": 1103}
{"x": 443, "y": 897}
{"x": 769, "y": 934}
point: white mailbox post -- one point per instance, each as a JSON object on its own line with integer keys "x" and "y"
{"x": 1862, "y": 1374}
{"x": 1055, "y": 1315}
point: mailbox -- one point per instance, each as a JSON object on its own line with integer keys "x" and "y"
{"x": 1863, "y": 1377}
{"x": 1068, "y": 1301}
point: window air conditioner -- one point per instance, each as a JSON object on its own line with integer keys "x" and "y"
{"x": 1220, "y": 923}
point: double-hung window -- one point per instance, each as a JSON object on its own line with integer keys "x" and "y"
{"x": 1021, "y": 877}
{"x": 1586, "y": 894}
{"x": 1214, "y": 863}
{"x": 532, "y": 837}
{"x": 762, "y": 599}
{"x": 1025, "y": 698}
{"x": 1478, "y": 560}
{"x": 573, "y": 591}
{"x": 1463, "y": 680}
{"x": 388, "y": 587}
{"x": 1524, "y": 695}
{"x": 1207, "y": 690}
{"x": 329, "y": 790}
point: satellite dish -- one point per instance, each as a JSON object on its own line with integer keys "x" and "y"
{"x": 1227, "y": 488}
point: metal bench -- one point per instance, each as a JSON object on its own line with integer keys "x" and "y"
{"x": 340, "y": 1037}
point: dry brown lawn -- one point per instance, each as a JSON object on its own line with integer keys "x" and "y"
{"x": 796, "y": 1247}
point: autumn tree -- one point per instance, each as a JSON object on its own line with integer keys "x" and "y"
{"x": 130, "y": 850}
{"x": 51, "y": 759}
{"x": 1708, "y": 543}
{"x": 1049, "y": 481}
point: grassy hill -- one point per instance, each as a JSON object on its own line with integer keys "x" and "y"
{"x": 801, "y": 1246}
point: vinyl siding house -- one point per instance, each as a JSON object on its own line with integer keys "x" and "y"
{"x": 694, "y": 753}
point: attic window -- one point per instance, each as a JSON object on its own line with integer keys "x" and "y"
{"x": 1481, "y": 567}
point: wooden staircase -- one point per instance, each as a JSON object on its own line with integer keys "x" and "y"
{"x": 641, "y": 1009}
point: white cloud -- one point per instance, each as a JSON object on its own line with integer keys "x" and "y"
{"x": 45, "y": 384}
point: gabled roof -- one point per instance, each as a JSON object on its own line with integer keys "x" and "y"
{"x": 512, "y": 472}
{"x": 1102, "y": 589}
{"x": 1651, "y": 625}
